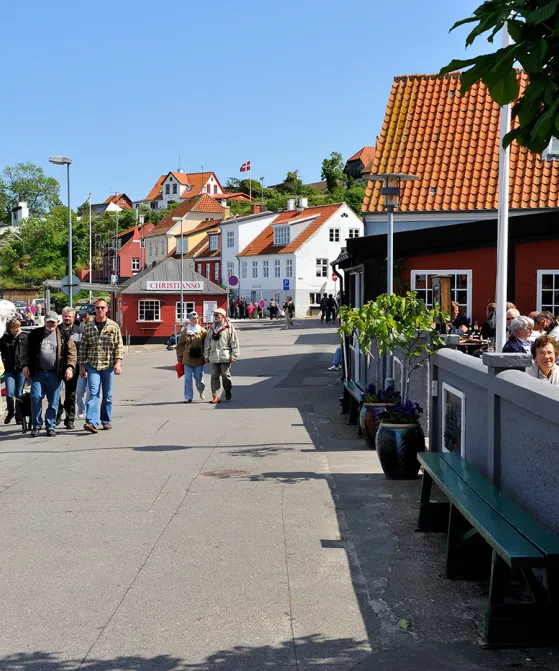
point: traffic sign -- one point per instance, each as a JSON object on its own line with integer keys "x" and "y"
{"x": 286, "y": 285}
{"x": 70, "y": 283}
{"x": 233, "y": 281}
{"x": 262, "y": 303}
{"x": 334, "y": 277}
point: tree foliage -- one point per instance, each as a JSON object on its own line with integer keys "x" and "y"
{"x": 27, "y": 182}
{"x": 534, "y": 27}
{"x": 333, "y": 171}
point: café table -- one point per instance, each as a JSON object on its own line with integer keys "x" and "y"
{"x": 470, "y": 345}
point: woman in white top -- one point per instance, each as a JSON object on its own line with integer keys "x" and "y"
{"x": 545, "y": 351}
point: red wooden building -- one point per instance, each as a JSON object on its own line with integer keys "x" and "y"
{"x": 149, "y": 304}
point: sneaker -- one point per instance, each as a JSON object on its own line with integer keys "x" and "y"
{"x": 188, "y": 400}
{"x": 215, "y": 400}
{"x": 90, "y": 427}
{"x": 107, "y": 426}
{"x": 69, "y": 425}
{"x": 227, "y": 395}
{"x": 51, "y": 433}
{"x": 333, "y": 368}
{"x": 8, "y": 418}
{"x": 34, "y": 433}
{"x": 202, "y": 396}
{"x": 81, "y": 415}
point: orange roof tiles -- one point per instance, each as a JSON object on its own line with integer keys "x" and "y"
{"x": 366, "y": 155}
{"x": 203, "y": 203}
{"x": 452, "y": 143}
{"x": 196, "y": 180}
{"x": 156, "y": 189}
{"x": 264, "y": 243}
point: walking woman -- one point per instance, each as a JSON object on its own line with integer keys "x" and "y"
{"x": 190, "y": 350}
{"x": 10, "y": 346}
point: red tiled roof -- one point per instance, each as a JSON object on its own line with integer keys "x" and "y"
{"x": 452, "y": 143}
{"x": 234, "y": 196}
{"x": 156, "y": 189}
{"x": 197, "y": 180}
{"x": 264, "y": 243}
{"x": 118, "y": 196}
{"x": 203, "y": 203}
{"x": 366, "y": 155}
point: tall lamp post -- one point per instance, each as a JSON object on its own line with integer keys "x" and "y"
{"x": 391, "y": 190}
{"x": 182, "y": 267}
{"x": 64, "y": 160}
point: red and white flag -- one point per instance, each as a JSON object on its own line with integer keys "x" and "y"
{"x": 245, "y": 167}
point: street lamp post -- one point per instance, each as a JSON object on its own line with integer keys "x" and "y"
{"x": 64, "y": 160}
{"x": 182, "y": 267}
{"x": 391, "y": 190}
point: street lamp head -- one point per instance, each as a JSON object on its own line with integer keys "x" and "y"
{"x": 391, "y": 185}
{"x": 60, "y": 160}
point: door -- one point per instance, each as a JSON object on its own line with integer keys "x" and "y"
{"x": 209, "y": 307}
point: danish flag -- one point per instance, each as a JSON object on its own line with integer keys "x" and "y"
{"x": 245, "y": 167}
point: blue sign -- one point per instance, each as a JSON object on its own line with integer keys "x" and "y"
{"x": 233, "y": 281}
{"x": 286, "y": 285}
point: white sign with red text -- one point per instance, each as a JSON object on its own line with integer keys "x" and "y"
{"x": 152, "y": 285}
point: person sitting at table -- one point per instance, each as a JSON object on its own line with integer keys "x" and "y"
{"x": 520, "y": 329}
{"x": 512, "y": 313}
{"x": 459, "y": 321}
{"x": 488, "y": 327}
{"x": 545, "y": 351}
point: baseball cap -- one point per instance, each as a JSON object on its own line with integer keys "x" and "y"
{"x": 51, "y": 316}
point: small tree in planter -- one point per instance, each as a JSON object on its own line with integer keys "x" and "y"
{"x": 363, "y": 323}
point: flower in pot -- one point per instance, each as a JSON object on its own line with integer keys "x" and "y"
{"x": 374, "y": 401}
{"x": 399, "y": 439}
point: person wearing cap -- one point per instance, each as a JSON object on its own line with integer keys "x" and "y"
{"x": 190, "y": 351}
{"x": 47, "y": 359}
{"x": 221, "y": 349}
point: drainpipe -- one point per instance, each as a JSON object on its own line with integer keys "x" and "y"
{"x": 341, "y": 280}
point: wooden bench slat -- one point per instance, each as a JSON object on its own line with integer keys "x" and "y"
{"x": 353, "y": 389}
{"x": 510, "y": 544}
{"x": 522, "y": 521}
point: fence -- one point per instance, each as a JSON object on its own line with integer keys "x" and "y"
{"x": 503, "y": 421}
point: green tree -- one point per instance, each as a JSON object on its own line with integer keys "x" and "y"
{"x": 354, "y": 197}
{"x": 240, "y": 208}
{"x": 333, "y": 171}
{"x": 27, "y": 182}
{"x": 292, "y": 184}
{"x": 534, "y": 27}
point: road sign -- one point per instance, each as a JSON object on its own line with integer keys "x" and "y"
{"x": 233, "y": 281}
{"x": 286, "y": 285}
{"x": 70, "y": 283}
{"x": 334, "y": 278}
{"x": 262, "y": 304}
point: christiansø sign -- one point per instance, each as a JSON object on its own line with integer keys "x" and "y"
{"x": 174, "y": 286}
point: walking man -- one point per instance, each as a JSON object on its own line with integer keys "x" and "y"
{"x": 69, "y": 330}
{"x": 289, "y": 309}
{"x": 331, "y": 306}
{"x": 47, "y": 358}
{"x": 323, "y": 304}
{"x": 221, "y": 349}
{"x": 100, "y": 359}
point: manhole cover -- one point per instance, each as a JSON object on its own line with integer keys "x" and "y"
{"x": 225, "y": 473}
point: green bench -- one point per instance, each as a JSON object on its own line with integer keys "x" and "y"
{"x": 488, "y": 536}
{"x": 351, "y": 402}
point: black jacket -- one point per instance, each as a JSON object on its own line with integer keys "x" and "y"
{"x": 66, "y": 356}
{"x": 10, "y": 350}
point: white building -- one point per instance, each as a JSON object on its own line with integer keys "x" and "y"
{"x": 176, "y": 186}
{"x": 291, "y": 255}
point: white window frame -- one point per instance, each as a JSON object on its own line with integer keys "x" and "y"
{"x": 255, "y": 270}
{"x": 265, "y": 268}
{"x": 230, "y": 239}
{"x": 334, "y": 234}
{"x": 208, "y": 270}
{"x": 468, "y": 273}
{"x": 322, "y": 265}
{"x": 175, "y": 188}
{"x": 150, "y": 247}
{"x": 199, "y": 268}
{"x": 539, "y": 301}
{"x": 156, "y": 310}
{"x": 188, "y": 307}
{"x": 281, "y": 235}
{"x": 213, "y": 243}
{"x": 230, "y": 269}
{"x": 136, "y": 266}
{"x": 289, "y": 267}
{"x": 353, "y": 233}
{"x": 244, "y": 270}
{"x": 277, "y": 268}
{"x": 216, "y": 272}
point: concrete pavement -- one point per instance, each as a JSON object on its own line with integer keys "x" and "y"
{"x": 257, "y": 534}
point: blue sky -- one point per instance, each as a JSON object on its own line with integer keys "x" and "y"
{"x": 123, "y": 87}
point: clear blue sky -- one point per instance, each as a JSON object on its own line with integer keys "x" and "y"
{"x": 123, "y": 87}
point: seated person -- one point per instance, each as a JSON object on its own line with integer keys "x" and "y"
{"x": 544, "y": 351}
{"x": 488, "y": 327}
{"x": 337, "y": 360}
{"x": 520, "y": 329}
{"x": 459, "y": 321}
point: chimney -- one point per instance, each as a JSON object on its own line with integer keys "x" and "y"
{"x": 226, "y": 212}
{"x": 179, "y": 170}
{"x": 303, "y": 203}
{"x": 255, "y": 209}
{"x": 290, "y": 204}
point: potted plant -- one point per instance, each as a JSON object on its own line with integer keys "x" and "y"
{"x": 398, "y": 440}
{"x": 374, "y": 401}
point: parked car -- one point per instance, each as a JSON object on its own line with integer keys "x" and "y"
{"x": 86, "y": 310}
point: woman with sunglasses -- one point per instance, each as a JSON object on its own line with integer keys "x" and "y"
{"x": 190, "y": 351}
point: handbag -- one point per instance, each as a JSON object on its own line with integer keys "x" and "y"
{"x": 195, "y": 352}
{"x": 179, "y": 367}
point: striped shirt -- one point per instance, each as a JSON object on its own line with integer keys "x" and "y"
{"x": 101, "y": 350}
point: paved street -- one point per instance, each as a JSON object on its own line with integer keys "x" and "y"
{"x": 257, "y": 534}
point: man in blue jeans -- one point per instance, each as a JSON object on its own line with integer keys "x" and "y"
{"x": 47, "y": 359}
{"x": 100, "y": 359}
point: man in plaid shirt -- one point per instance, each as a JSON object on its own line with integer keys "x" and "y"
{"x": 100, "y": 359}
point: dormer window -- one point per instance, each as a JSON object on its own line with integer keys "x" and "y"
{"x": 213, "y": 243}
{"x": 281, "y": 235}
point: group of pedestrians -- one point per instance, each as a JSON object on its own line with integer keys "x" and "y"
{"x": 328, "y": 307}
{"x": 82, "y": 359}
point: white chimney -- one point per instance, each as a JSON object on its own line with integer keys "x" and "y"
{"x": 290, "y": 204}
{"x": 303, "y": 203}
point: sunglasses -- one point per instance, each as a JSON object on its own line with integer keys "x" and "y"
{"x": 100, "y": 307}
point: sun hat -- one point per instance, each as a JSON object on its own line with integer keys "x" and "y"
{"x": 220, "y": 311}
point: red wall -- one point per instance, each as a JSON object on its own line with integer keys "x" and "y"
{"x": 481, "y": 262}
{"x": 213, "y": 263}
{"x": 159, "y": 331}
{"x": 531, "y": 257}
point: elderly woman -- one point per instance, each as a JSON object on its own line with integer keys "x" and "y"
{"x": 545, "y": 351}
{"x": 10, "y": 346}
{"x": 518, "y": 342}
{"x": 190, "y": 350}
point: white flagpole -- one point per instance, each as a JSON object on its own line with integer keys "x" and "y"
{"x": 503, "y": 224}
{"x": 249, "y": 184}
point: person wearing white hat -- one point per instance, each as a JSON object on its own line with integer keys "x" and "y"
{"x": 221, "y": 349}
{"x": 190, "y": 351}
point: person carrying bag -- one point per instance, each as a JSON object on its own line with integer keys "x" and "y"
{"x": 190, "y": 352}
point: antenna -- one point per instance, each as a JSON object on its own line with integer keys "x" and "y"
{"x": 179, "y": 162}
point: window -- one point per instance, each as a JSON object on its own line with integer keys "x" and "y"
{"x": 135, "y": 265}
{"x": 188, "y": 308}
{"x": 167, "y": 188}
{"x": 230, "y": 238}
{"x": 460, "y": 287}
{"x": 353, "y": 233}
{"x": 322, "y": 267}
{"x": 315, "y": 298}
{"x": 150, "y": 248}
{"x": 266, "y": 268}
{"x": 276, "y": 296}
{"x": 289, "y": 268}
{"x": 199, "y": 268}
{"x": 216, "y": 272}
{"x": 208, "y": 270}
{"x": 215, "y": 188}
{"x": 153, "y": 205}
{"x": 230, "y": 269}
{"x": 175, "y": 187}
{"x": 334, "y": 234}
{"x": 213, "y": 243}
{"x": 157, "y": 248}
{"x": 548, "y": 291}
{"x": 281, "y": 235}
{"x": 244, "y": 269}
{"x": 255, "y": 269}
{"x": 148, "y": 311}
{"x": 277, "y": 268}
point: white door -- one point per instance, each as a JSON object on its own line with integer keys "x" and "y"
{"x": 209, "y": 307}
